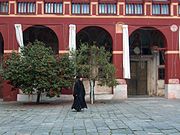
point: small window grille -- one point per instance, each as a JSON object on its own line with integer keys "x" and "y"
{"x": 80, "y": 8}
{"x": 161, "y": 7}
{"x": 53, "y": 8}
{"x": 26, "y": 7}
{"x": 107, "y": 8}
{"x": 134, "y": 8}
{"x": 4, "y": 7}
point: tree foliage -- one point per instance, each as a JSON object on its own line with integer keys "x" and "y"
{"x": 93, "y": 62}
{"x": 36, "y": 70}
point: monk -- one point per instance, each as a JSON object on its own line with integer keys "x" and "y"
{"x": 79, "y": 95}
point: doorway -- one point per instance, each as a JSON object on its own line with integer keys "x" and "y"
{"x": 94, "y": 35}
{"x": 147, "y": 62}
{"x": 138, "y": 82}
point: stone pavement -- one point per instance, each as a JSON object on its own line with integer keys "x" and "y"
{"x": 134, "y": 116}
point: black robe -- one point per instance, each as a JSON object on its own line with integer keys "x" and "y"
{"x": 79, "y": 96}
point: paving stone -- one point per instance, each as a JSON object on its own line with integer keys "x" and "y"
{"x": 122, "y": 131}
{"x": 175, "y": 133}
{"x": 143, "y": 133}
{"x": 10, "y": 133}
{"x": 91, "y": 130}
{"x": 152, "y": 130}
{"x": 117, "y": 134}
{"x": 41, "y": 132}
{"x": 148, "y": 116}
{"x": 23, "y": 133}
{"x": 79, "y": 127}
{"x": 104, "y": 133}
{"x": 68, "y": 133}
{"x": 67, "y": 130}
{"x": 83, "y": 132}
{"x": 55, "y": 133}
{"x": 170, "y": 131}
{"x": 92, "y": 133}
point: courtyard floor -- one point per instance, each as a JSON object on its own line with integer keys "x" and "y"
{"x": 134, "y": 116}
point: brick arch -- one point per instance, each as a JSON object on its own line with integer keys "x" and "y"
{"x": 42, "y": 33}
{"x": 132, "y": 30}
{"x": 101, "y": 35}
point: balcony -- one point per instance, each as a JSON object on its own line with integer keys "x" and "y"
{"x": 88, "y": 7}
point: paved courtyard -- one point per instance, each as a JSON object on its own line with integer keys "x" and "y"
{"x": 139, "y": 116}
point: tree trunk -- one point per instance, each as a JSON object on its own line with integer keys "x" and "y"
{"x": 38, "y": 97}
{"x": 92, "y": 84}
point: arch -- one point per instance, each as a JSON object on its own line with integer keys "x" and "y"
{"x": 147, "y": 57}
{"x": 41, "y": 33}
{"x": 100, "y": 37}
{"x": 146, "y": 38}
{"x": 97, "y": 35}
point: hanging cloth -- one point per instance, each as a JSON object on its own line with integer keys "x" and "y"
{"x": 126, "y": 60}
{"x": 19, "y": 35}
{"x": 72, "y": 37}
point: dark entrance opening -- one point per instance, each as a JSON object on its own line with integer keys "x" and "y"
{"x": 1, "y": 59}
{"x": 95, "y": 35}
{"x": 43, "y": 34}
{"x": 1, "y": 47}
{"x": 144, "y": 45}
{"x": 98, "y": 36}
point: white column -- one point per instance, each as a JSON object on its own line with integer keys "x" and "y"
{"x": 126, "y": 60}
{"x": 72, "y": 37}
{"x": 19, "y": 35}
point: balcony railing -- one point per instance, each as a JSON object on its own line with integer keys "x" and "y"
{"x": 81, "y": 8}
{"x": 4, "y": 7}
{"x": 134, "y": 8}
{"x": 26, "y": 7}
{"x": 160, "y": 9}
{"x": 53, "y": 8}
{"x": 107, "y": 8}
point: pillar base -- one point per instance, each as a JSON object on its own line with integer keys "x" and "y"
{"x": 120, "y": 91}
{"x": 172, "y": 91}
{"x": 26, "y": 98}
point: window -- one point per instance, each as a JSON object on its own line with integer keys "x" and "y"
{"x": 161, "y": 73}
{"x": 179, "y": 9}
{"x": 53, "y": 8}
{"x": 107, "y": 8}
{"x": 134, "y": 8}
{"x": 160, "y": 7}
{"x": 161, "y": 66}
{"x": 26, "y": 7}
{"x": 80, "y": 8}
{"x": 4, "y": 7}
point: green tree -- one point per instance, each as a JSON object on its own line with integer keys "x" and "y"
{"x": 37, "y": 70}
{"x": 94, "y": 63}
{"x": 63, "y": 76}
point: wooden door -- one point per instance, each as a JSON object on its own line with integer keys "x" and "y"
{"x": 137, "y": 85}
